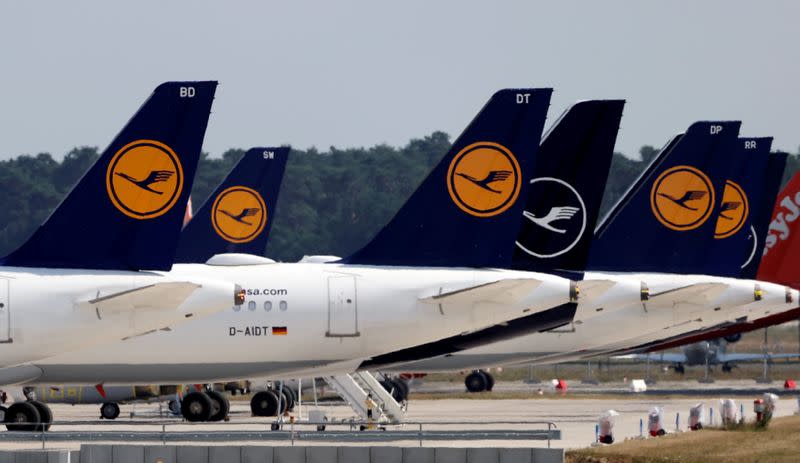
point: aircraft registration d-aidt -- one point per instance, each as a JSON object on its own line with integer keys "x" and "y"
{"x": 436, "y": 270}
{"x": 94, "y": 271}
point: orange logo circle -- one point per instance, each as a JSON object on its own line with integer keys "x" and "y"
{"x": 733, "y": 211}
{"x": 144, "y": 179}
{"x": 682, "y": 198}
{"x": 239, "y": 214}
{"x": 484, "y": 179}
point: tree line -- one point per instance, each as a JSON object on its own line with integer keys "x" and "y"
{"x": 331, "y": 202}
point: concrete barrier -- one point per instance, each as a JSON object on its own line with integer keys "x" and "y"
{"x": 263, "y": 454}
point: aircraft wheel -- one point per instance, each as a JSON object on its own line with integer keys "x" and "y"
{"x": 290, "y": 397}
{"x": 45, "y": 415}
{"x": 22, "y": 412}
{"x": 679, "y": 369}
{"x": 109, "y": 411}
{"x": 476, "y": 381}
{"x": 489, "y": 380}
{"x": 726, "y": 368}
{"x": 264, "y": 403}
{"x": 196, "y": 406}
{"x": 284, "y": 400}
{"x": 3, "y": 411}
{"x": 174, "y": 407}
{"x": 220, "y": 406}
{"x": 402, "y": 386}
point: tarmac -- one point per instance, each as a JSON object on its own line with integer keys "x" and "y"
{"x": 575, "y": 418}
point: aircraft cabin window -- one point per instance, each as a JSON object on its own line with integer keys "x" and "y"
{"x": 283, "y": 305}
{"x": 251, "y": 305}
{"x": 267, "y": 305}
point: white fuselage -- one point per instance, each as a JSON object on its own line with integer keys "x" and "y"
{"x": 45, "y": 312}
{"x": 596, "y": 332}
{"x": 304, "y": 318}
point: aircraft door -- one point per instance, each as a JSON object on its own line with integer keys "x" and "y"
{"x": 5, "y": 312}
{"x": 342, "y": 307}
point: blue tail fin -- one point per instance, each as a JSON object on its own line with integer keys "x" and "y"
{"x": 568, "y": 181}
{"x": 730, "y": 249}
{"x": 762, "y": 210}
{"x": 661, "y": 222}
{"x": 126, "y": 211}
{"x": 238, "y": 215}
{"x": 467, "y": 212}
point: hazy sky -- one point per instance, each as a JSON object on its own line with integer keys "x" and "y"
{"x": 350, "y": 73}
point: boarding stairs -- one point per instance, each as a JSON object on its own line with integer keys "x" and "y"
{"x": 354, "y": 387}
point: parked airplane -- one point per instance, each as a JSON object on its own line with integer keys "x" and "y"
{"x": 713, "y": 352}
{"x": 79, "y": 280}
{"x": 434, "y": 271}
{"x": 626, "y": 325}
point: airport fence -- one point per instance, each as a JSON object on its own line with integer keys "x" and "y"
{"x": 287, "y": 432}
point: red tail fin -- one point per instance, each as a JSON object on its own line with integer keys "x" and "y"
{"x": 781, "y": 261}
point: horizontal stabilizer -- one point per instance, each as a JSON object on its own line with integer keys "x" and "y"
{"x": 508, "y": 291}
{"x": 592, "y": 289}
{"x": 159, "y": 295}
{"x": 698, "y": 293}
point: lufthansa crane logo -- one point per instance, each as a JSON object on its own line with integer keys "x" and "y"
{"x": 682, "y": 198}
{"x": 239, "y": 214}
{"x": 484, "y": 179}
{"x": 555, "y": 219}
{"x": 733, "y": 211}
{"x": 144, "y": 179}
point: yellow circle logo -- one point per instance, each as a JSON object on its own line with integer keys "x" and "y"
{"x": 733, "y": 211}
{"x": 682, "y": 198}
{"x": 484, "y": 179}
{"x": 144, "y": 179}
{"x": 239, "y": 214}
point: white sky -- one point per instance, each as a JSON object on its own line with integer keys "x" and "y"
{"x": 356, "y": 73}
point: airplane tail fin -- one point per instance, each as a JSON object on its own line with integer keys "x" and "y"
{"x": 782, "y": 248}
{"x": 467, "y": 212}
{"x": 238, "y": 215}
{"x": 732, "y": 247}
{"x": 564, "y": 194}
{"x": 663, "y": 221}
{"x": 126, "y": 211}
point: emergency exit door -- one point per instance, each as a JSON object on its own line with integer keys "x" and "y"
{"x": 342, "y": 306}
{"x": 5, "y": 312}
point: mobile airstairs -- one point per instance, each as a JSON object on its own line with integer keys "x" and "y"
{"x": 355, "y": 387}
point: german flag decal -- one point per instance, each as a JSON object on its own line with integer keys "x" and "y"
{"x": 279, "y": 331}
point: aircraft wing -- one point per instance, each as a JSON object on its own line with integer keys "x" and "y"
{"x": 591, "y": 289}
{"x": 169, "y": 294}
{"x": 698, "y": 293}
{"x": 507, "y": 291}
{"x": 657, "y": 358}
{"x": 753, "y": 357}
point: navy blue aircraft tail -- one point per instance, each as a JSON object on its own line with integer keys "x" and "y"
{"x": 565, "y": 192}
{"x": 467, "y": 212}
{"x": 127, "y": 210}
{"x": 238, "y": 215}
{"x": 730, "y": 249}
{"x": 663, "y": 222}
{"x": 763, "y": 207}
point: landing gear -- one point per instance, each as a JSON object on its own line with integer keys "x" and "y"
{"x": 264, "y": 403}
{"x": 727, "y": 367}
{"x": 22, "y": 412}
{"x": 174, "y": 407}
{"x": 109, "y": 411}
{"x": 196, "y": 406}
{"x": 219, "y": 406}
{"x": 45, "y": 415}
{"x": 398, "y": 387}
{"x": 679, "y": 369}
{"x": 479, "y": 381}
